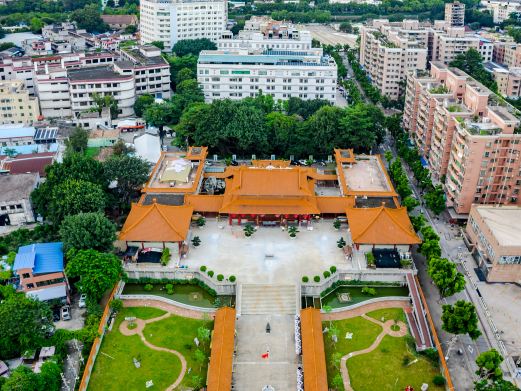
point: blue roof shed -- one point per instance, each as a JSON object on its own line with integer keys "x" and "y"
{"x": 40, "y": 257}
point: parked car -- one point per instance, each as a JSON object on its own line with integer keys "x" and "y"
{"x": 83, "y": 301}
{"x": 234, "y": 163}
{"x": 303, "y": 162}
{"x": 66, "y": 312}
{"x": 56, "y": 314}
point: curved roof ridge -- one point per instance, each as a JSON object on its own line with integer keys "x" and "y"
{"x": 371, "y": 221}
{"x": 140, "y": 219}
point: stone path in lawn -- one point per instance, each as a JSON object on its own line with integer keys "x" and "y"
{"x": 353, "y": 313}
{"x": 386, "y": 331}
{"x": 141, "y": 323}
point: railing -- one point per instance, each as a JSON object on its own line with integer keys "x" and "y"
{"x": 159, "y": 273}
{"x": 369, "y": 301}
{"x": 97, "y": 341}
{"x": 380, "y": 275}
{"x": 167, "y": 301}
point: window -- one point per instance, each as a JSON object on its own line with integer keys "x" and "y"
{"x": 26, "y": 275}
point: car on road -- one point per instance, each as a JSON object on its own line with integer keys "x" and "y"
{"x": 66, "y": 312}
{"x": 83, "y": 301}
{"x": 303, "y": 162}
{"x": 56, "y": 317}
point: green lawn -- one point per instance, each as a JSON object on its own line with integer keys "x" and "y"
{"x": 114, "y": 369}
{"x": 143, "y": 312}
{"x": 178, "y": 333}
{"x": 383, "y": 368}
{"x": 388, "y": 313}
{"x": 92, "y": 151}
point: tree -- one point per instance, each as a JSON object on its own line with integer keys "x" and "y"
{"x": 159, "y": 115}
{"x": 362, "y": 127}
{"x": 87, "y": 231}
{"x": 141, "y": 104}
{"x": 338, "y": 382}
{"x": 430, "y": 249}
{"x": 494, "y": 385}
{"x": 50, "y": 376}
{"x": 184, "y": 74}
{"x": 489, "y": 364}
{"x": 22, "y": 379}
{"x": 471, "y": 63}
{"x": 446, "y": 277}
{"x": 130, "y": 173}
{"x": 184, "y": 47}
{"x": 461, "y": 318}
{"x": 410, "y": 203}
{"x": 199, "y": 357}
{"x": 158, "y": 44}
{"x": 121, "y": 149}
{"x": 23, "y": 322}
{"x": 178, "y": 63}
{"x": 435, "y": 199}
{"x": 107, "y": 101}
{"x": 88, "y": 18}
{"x": 304, "y": 108}
{"x": 77, "y": 141}
{"x": 97, "y": 271}
{"x": 130, "y": 29}
{"x": 75, "y": 196}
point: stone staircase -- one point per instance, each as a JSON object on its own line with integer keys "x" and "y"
{"x": 258, "y": 299}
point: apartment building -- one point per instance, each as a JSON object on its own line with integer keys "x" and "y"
{"x": 455, "y": 14}
{"x": 508, "y": 80}
{"x": 501, "y": 9}
{"x": 16, "y": 106}
{"x": 511, "y": 55}
{"x": 468, "y": 136}
{"x": 451, "y": 41}
{"x": 169, "y": 21}
{"x": 494, "y": 240}
{"x": 283, "y": 74}
{"x": 389, "y": 50}
{"x": 66, "y": 90}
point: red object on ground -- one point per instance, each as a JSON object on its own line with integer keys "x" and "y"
{"x": 265, "y": 355}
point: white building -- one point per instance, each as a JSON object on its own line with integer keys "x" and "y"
{"x": 169, "y": 21}
{"x": 501, "y": 9}
{"x": 16, "y": 106}
{"x": 282, "y": 74}
{"x": 15, "y": 198}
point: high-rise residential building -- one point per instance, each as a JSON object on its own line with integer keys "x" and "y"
{"x": 169, "y": 21}
{"x": 501, "y": 9}
{"x": 508, "y": 80}
{"x": 16, "y": 106}
{"x": 270, "y": 56}
{"x": 389, "y": 50}
{"x": 468, "y": 136}
{"x": 455, "y": 14}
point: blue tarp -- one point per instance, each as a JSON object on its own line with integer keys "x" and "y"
{"x": 424, "y": 162}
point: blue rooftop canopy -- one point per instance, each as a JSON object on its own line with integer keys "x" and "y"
{"x": 41, "y": 257}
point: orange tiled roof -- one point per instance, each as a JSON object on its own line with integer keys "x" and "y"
{"x": 204, "y": 202}
{"x": 381, "y": 226}
{"x": 221, "y": 358}
{"x": 273, "y": 163}
{"x": 157, "y": 223}
{"x": 313, "y": 354}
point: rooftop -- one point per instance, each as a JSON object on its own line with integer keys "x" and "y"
{"x": 366, "y": 174}
{"x": 17, "y": 187}
{"x": 95, "y": 73}
{"x": 14, "y": 131}
{"x": 40, "y": 257}
{"x": 267, "y": 57}
{"x": 503, "y": 222}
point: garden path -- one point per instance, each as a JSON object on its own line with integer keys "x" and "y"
{"x": 141, "y": 323}
{"x": 386, "y": 331}
{"x": 353, "y": 313}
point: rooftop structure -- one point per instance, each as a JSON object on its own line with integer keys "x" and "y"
{"x": 17, "y": 187}
{"x": 24, "y": 163}
{"x": 223, "y": 346}
{"x": 40, "y": 257}
{"x": 313, "y": 353}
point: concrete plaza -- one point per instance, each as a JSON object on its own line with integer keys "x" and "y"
{"x": 269, "y": 256}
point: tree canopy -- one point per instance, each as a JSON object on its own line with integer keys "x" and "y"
{"x": 445, "y": 276}
{"x": 130, "y": 173}
{"x": 97, "y": 271}
{"x": 141, "y": 104}
{"x": 23, "y": 323}
{"x": 489, "y": 364}
{"x": 494, "y": 385}
{"x": 77, "y": 141}
{"x": 471, "y": 63}
{"x": 89, "y": 18}
{"x": 461, "y": 318}
{"x": 184, "y": 47}
{"x": 87, "y": 231}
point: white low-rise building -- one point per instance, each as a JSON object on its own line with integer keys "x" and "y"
{"x": 501, "y": 9}
{"x": 169, "y": 21}
{"x": 282, "y": 74}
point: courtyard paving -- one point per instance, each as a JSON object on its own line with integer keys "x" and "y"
{"x": 270, "y": 256}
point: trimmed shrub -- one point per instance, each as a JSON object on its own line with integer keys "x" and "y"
{"x": 210, "y": 273}
{"x": 116, "y": 305}
{"x": 148, "y": 287}
{"x": 368, "y": 291}
{"x": 316, "y": 278}
{"x": 438, "y": 380}
{"x": 232, "y": 278}
{"x": 305, "y": 279}
{"x": 203, "y": 268}
{"x": 332, "y": 269}
{"x": 169, "y": 289}
{"x": 220, "y": 277}
{"x": 327, "y": 274}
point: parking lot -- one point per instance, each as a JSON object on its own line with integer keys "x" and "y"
{"x": 77, "y": 316}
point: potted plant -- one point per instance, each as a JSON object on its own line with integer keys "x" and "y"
{"x": 248, "y": 230}
{"x": 341, "y": 243}
{"x": 336, "y": 224}
{"x": 370, "y": 260}
{"x": 196, "y": 241}
{"x": 292, "y": 230}
{"x": 201, "y": 221}
{"x": 165, "y": 256}
{"x": 305, "y": 279}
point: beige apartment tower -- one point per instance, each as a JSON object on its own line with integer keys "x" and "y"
{"x": 16, "y": 106}
{"x": 455, "y": 14}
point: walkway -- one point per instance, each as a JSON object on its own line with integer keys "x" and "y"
{"x": 360, "y": 311}
{"x": 140, "y": 325}
{"x": 169, "y": 308}
{"x": 386, "y": 331}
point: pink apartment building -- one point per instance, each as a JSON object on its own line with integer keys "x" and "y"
{"x": 468, "y": 136}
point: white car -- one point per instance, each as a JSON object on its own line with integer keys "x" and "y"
{"x": 66, "y": 312}
{"x": 83, "y": 301}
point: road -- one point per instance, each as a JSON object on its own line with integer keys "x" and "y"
{"x": 461, "y": 366}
